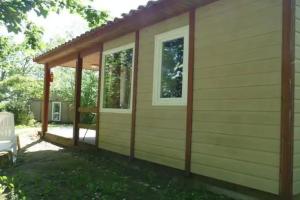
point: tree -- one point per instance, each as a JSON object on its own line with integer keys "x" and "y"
{"x": 13, "y": 13}
{"x": 17, "y": 58}
{"x": 172, "y": 68}
{"x": 63, "y": 86}
{"x": 15, "y": 93}
{"x": 21, "y": 78}
{"x": 89, "y": 94}
{"x": 89, "y": 88}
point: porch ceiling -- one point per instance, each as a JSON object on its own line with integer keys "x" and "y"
{"x": 90, "y": 62}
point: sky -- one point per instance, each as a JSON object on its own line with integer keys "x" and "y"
{"x": 67, "y": 24}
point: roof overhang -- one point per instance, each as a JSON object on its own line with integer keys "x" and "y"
{"x": 89, "y": 43}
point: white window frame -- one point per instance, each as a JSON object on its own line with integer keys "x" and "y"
{"x": 59, "y": 103}
{"x": 159, "y": 39}
{"x": 111, "y": 51}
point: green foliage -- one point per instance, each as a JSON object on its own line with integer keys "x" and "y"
{"x": 15, "y": 93}
{"x": 63, "y": 85}
{"x": 8, "y": 189}
{"x": 89, "y": 88}
{"x": 117, "y": 79}
{"x": 13, "y": 13}
{"x": 16, "y": 59}
{"x": 94, "y": 17}
{"x": 20, "y": 78}
{"x": 33, "y": 37}
{"x": 172, "y": 68}
{"x": 89, "y": 94}
{"x": 22, "y": 113}
{"x": 20, "y": 88}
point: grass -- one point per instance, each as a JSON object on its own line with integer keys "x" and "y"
{"x": 91, "y": 174}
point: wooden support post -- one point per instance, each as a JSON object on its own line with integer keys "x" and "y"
{"x": 46, "y": 100}
{"x": 98, "y": 98}
{"x": 287, "y": 100}
{"x": 134, "y": 95}
{"x": 189, "y": 110}
{"x": 78, "y": 77}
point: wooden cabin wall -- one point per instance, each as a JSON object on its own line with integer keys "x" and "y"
{"x": 237, "y": 97}
{"x": 160, "y": 130}
{"x": 237, "y": 93}
{"x": 297, "y": 103}
{"x": 115, "y": 128}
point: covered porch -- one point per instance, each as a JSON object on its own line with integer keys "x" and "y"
{"x": 79, "y": 131}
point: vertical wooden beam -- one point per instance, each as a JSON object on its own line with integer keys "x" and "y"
{"x": 287, "y": 100}
{"x": 134, "y": 95}
{"x": 46, "y": 99}
{"x": 98, "y": 97}
{"x": 78, "y": 77}
{"x": 189, "y": 110}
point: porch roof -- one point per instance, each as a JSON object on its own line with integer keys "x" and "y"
{"x": 88, "y": 43}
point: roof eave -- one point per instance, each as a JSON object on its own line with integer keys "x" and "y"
{"x": 135, "y": 20}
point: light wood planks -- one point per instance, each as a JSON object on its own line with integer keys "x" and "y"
{"x": 160, "y": 130}
{"x": 236, "y": 126}
{"x": 115, "y": 132}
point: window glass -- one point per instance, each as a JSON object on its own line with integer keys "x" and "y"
{"x": 56, "y": 111}
{"x": 56, "y": 117}
{"x": 56, "y": 107}
{"x": 117, "y": 79}
{"x": 172, "y": 68}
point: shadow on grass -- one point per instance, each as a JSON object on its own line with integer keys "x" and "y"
{"x": 95, "y": 174}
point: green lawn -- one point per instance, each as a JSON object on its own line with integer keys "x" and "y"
{"x": 90, "y": 174}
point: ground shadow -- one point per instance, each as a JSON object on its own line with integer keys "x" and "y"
{"x": 72, "y": 173}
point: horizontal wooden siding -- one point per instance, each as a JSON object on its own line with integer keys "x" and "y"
{"x": 237, "y": 89}
{"x": 160, "y": 130}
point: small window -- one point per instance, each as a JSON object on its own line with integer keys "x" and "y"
{"x": 56, "y": 111}
{"x": 117, "y": 72}
{"x": 170, "y": 67}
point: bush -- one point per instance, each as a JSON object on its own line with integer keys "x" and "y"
{"x": 8, "y": 189}
{"x": 21, "y": 111}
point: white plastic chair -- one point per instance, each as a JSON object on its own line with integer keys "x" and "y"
{"x": 8, "y": 139}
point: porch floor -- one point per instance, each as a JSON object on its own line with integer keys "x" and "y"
{"x": 66, "y": 131}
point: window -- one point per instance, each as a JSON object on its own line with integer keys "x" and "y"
{"x": 56, "y": 111}
{"x": 117, "y": 72}
{"x": 170, "y": 67}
